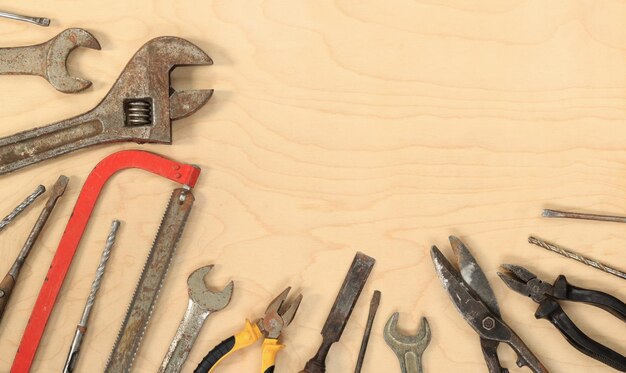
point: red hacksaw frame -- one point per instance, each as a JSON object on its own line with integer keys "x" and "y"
{"x": 179, "y": 172}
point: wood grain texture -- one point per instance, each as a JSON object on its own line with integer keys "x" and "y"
{"x": 339, "y": 126}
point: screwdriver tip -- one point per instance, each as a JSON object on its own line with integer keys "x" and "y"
{"x": 550, "y": 213}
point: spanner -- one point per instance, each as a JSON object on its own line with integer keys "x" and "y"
{"x": 139, "y": 107}
{"x": 48, "y": 59}
{"x": 408, "y": 348}
{"x": 202, "y": 302}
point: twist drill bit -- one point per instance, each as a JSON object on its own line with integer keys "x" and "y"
{"x": 577, "y": 257}
{"x": 22, "y": 206}
{"x": 81, "y": 328}
{"x": 576, "y": 215}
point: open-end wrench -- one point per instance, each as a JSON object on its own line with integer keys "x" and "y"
{"x": 202, "y": 302}
{"x": 408, "y": 348}
{"x": 48, "y": 59}
{"x": 140, "y": 107}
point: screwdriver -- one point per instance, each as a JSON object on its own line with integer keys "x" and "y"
{"x": 8, "y": 283}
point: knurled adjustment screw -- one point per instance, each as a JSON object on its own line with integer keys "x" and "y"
{"x": 489, "y": 323}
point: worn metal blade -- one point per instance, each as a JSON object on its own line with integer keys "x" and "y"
{"x": 464, "y": 300}
{"x": 348, "y": 295}
{"x": 342, "y": 309}
{"x": 473, "y": 275}
{"x": 147, "y": 290}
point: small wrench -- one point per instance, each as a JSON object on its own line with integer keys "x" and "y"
{"x": 202, "y": 302}
{"x": 408, "y": 349}
{"x": 140, "y": 107}
{"x": 48, "y": 59}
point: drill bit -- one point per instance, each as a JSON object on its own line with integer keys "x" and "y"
{"x": 81, "y": 328}
{"x": 575, "y": 215}
{"x": 368, "y": 330}
{"x": 580, "y": 258}
{"x": 22, "y": 206}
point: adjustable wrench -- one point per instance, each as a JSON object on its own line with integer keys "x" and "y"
{"x": 140, "y": 107}
{"x": 48, "y": 59}
{"x": 202, "y": 302}
{"x": 408, "y": 348}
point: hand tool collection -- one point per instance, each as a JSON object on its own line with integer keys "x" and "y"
{"x": 140, "y": 107}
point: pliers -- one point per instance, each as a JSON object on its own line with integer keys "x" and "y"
{"x": 278, "y": 315}
{"x": 473, "y": 297}
{"x": 548, "y": 296}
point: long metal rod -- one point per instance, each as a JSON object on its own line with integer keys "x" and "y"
{"x": 577, "y": 257}
{"x": 368, "y": 330}
{"x": 576, "y": 215}
{"x": 40, "y": 21}
{"x": 22, "y": 206}
{"x": 8, "y": 282}
{"x": 81, "y": 328}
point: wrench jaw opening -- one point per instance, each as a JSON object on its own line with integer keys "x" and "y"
{"x": 143, "y": 92}
{"x": 58, "y": 51}
{"x": 199, "y": 293}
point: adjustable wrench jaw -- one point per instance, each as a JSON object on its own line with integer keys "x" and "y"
{"x": 140, "y": 107}
{"x": 142, "y": 104}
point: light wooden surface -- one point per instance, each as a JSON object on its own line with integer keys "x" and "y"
{"x": 340, "y": 126}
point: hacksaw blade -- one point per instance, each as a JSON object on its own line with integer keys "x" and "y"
{"x": 152, "y": 276}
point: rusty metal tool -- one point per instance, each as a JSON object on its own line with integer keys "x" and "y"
{"x": 342, "y": 309}
{"x": 408, "y": 348}
{"x": 144, "y": 299}
{"x": 22, "y": 206}
{"x": 577, "y": 257}
{"x": 8, "y": 283}
{"x": 374, "y": 303}
{"x": 39, "y": 21}
{"x": 140, "y": 107}
{"x": 473, "y": 297}
{"x": 48, "y": 60}
{"x": 548, "y": 296}
{"x": 81, "y": 328}
{"x": 202, "y": 302}
{"x": 182, "y": 173}
{"x": 577, "y": 215}
{"x": 278, "y": 315}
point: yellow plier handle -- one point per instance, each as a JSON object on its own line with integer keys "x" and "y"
{"x": 270, "y": 349}
{"x": 244, "y": 338}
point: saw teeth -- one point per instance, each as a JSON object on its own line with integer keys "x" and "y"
{"x": 174, "y": 198}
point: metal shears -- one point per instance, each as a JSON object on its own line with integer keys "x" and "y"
{"x": 474, "y": 299}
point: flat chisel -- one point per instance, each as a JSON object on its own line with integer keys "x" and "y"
{"x": 342, "y": 309}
